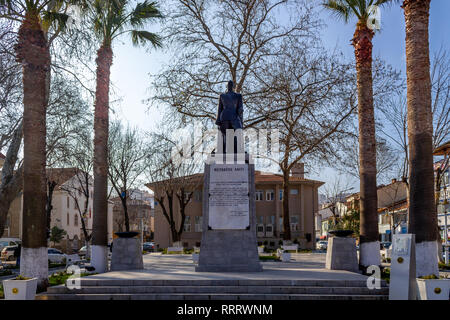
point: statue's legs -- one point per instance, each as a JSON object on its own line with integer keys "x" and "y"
{"x": 223, "y": 129}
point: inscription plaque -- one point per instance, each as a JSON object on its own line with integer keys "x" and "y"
{"x": 229, "y": 197}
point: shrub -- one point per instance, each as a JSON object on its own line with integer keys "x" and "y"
{"x": 429, "y": 277}
{"x": 2, "y": 296}
{"x": 21, "y": 277}
{"x": 5, "y": 272}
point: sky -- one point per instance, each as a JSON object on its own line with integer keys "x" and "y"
{"x": 132, "y": 65}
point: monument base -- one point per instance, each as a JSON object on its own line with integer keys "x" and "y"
{"x": 229, "y": 251}
{"x": 127, "y": 254}
{"x": 341, "y": 254}
{"x": 229, "y": 244}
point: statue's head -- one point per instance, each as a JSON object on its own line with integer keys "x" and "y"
{"x": 230, "y": 86}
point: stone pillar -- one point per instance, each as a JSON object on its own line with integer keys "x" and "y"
{"x": 127, "y": 254}
{"x": 341, "y": 254}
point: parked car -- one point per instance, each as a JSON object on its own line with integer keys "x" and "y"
{"x": 322, "y": 245}
{"x": 5, "y": 242}
{"x": 8, "y": 253}
{"x": 385, "y": 245}
{"x": 56, "y": 256}
{"x": 82, "y": 252}
{"x": 148, "y": 246}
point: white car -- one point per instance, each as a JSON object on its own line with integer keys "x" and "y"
{"x": 56, "y": 256}
{"x": 5, "y": 242}
{"x": 7, "y": 253}
{"x": 322, "y": 245}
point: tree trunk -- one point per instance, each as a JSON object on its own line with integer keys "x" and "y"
{"x": 286, "y": 220}
{"x": 422, "y": 208}
{"x": 33, "y": 53}
{"x": 100, "y": 222}
{"x": 49, "y": 207}
{"x": 11, "y": 182}
{"x": 370, "y": 254}
{"x": 125, "y": 211}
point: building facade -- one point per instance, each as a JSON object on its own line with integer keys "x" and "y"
{"x": 68, "y": 199}
{"x": 443, "y": 186}
{"x": 140, "y": 211}
{"x": 303, "y": 204}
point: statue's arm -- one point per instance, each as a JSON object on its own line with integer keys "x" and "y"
{"x": 219, "y": 111}
{"x": 240, "y": 109}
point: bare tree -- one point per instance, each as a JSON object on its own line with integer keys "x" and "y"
{"x": 126, "y": 162}
{"x": 319, "y": 103}
{"x": 394, "y": 113}
{"x": 219, "y": 40}
{"x": 335, "y": 194}
{"x": 173, "y": 180}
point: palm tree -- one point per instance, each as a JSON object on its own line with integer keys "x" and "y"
{"x": 362, "y": 42}
{"x": 422, "y": 208}
{"x": 111, "y": 19}
{"x": 32, "y": 52}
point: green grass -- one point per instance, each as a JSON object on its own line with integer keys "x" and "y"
{"x": 59, "y": 278}
{"x": 56, "y": 265}
{"x": 444, "y": 266}
{"x": 269, "y": 258}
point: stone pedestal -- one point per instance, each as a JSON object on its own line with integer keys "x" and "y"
{"x": 229, "y": 240}
{"x": 403, "y": 268}
{"x": 341, "y": 254}
{"x": 127, "y": 254}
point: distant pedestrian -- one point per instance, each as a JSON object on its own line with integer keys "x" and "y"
{"x": 17, "y": 253}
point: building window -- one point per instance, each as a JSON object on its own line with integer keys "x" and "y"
{"x": 187, "y": 224}
{"x": 68, "y": 219}
{"x": 198, "y": 224}
{"x": 281, "y": 224}
{"x": 259, "y": 195}
{"x": 260, "y": 219}
{"x": 294, "y": 191}
{"x": 281, "y": 195}
{"x": 294, "y": 223}
{"x": 68, "y": 203}
{"x": 272, "y": 220}
{"x": 269, "y": 195}
{"x": 198, "y": 196}
{"x": 75, "y": 220}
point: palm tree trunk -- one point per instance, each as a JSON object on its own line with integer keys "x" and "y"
{"x": 369, "y": 244}
{"x": 33, "y": 53}
{"x": 100, "y": 222}
{"x": 422, "y": 208}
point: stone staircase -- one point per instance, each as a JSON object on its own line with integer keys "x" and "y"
{"x": 127, "y": 289}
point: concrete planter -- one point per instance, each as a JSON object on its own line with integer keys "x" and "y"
{"x": 127, "y": 254}
{"x": 433, "y": 289}
{"x": 285, "y": 257}
{"x": 260, "y": 249}
{"x": 195, "y": 257}
{"x": 20, "y": 289}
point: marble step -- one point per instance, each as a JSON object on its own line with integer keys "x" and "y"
{"x": 288, "y": 290}
{"x": 207, "y": 296}
{"x": 88, "y": 282}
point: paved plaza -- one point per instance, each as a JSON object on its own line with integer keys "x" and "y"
{"x": 304, "y": 266}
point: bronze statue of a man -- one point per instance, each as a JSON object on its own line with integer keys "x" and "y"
{"x": 230, "y": 112}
